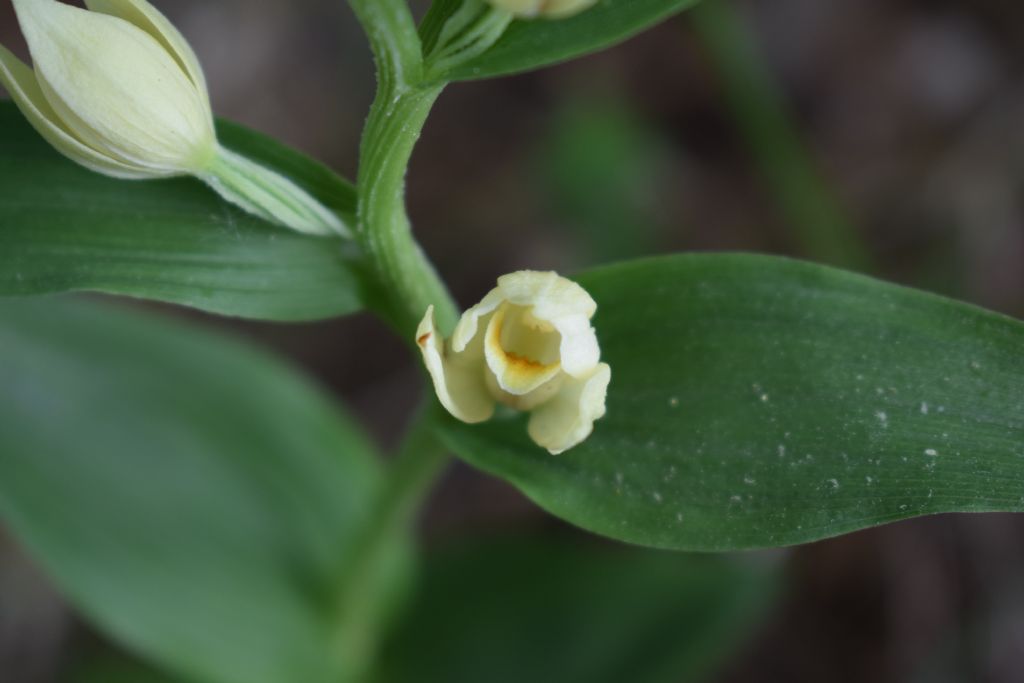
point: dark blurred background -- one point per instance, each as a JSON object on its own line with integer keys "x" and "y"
{"x": 879, "y": 135}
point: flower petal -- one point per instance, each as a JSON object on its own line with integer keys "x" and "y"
{"x": 116, "y": 87}
{"x": 515, "y": 374}
{"x": 551, "y": 295}
{"x": 566, "y": 306}
{"x": 579, "y": 349}
{"x": 459, "y": 378}
{"x": 469, "y": 323}
{"x": 149, "y": 19}
{"x": 21, "y": 83}
{"x": 568, "y": 418}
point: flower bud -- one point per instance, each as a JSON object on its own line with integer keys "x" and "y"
{"x": 529, "y": 345}
{"x": 550, "y": 9}
{"x": 117, "y": 89}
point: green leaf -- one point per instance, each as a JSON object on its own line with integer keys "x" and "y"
{"x": 528, "y": 45}
{"x": 514, "y": 610}
{"x": 112, "y": 668}
{"x": 63, "y": 228}
{"x": 758, "y": 401}
{"x": 191, "y": 497}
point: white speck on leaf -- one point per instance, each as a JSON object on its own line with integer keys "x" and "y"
{"x": 883, "y": 418}
{"x": 924, "y": 408}
{"x": 931, "y": 452}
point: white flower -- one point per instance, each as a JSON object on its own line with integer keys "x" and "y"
{"x": 551, "y": 9}
{"x": 529, "y": 345}
{"x": 117, "y": 89}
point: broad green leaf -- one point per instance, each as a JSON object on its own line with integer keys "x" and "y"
{"x": 536, "y": 43}
{"x": 111, "y": 668}
{"x": 191, "y": 497}
{"x": 63, "y": 228}
{"x": 514, "y": 610}
{"x": 758, "y": 401}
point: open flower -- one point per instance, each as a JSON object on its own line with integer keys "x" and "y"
{"x": 117, "y": 89}
{"x": 551, "y": 9}
{"x": 529, "y": 345}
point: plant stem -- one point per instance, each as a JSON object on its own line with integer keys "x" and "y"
{"x": 408, "y": 282}
{"x": 820, "y": 226}
{"x": 393, "y": 38}
{"x": 363, "y": 605}
{"x": 420, "y": 459}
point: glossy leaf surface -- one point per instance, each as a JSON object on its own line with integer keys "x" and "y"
{"x": 63, "y": 228}
{"x": 758, "y": 401}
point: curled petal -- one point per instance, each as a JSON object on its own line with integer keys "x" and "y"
{"x": 565, "y": 306}
{"x": 458, "y": 378}
{"x": 516, "y": 374}
{"x": 470, "y": 322}
{"x": 568, "y": 418}
{"x": 579, "y": 349}
{"x": 551, "y": 295}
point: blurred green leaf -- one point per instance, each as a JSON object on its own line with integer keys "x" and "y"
{"x": 602, "y": 168}
{"x": 515, "y": 610}
{"x": 192, "y": 498}
{"x": 528, "y": 45}
{"x": 111, "y": 668}
{"x": 63, "y": 228}
{"x": 758, "y": 401}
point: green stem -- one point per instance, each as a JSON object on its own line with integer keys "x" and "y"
{"x": 408, "y": 279}
{"x": 393, "y": 38}
{"x": 363, "y": 604}
{"x": 819, "y": 224}
{"x": 421, "y": 458}
{"x": 408, "y": 282}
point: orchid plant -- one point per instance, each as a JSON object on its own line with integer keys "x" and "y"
{"x": 225, "y": 522}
